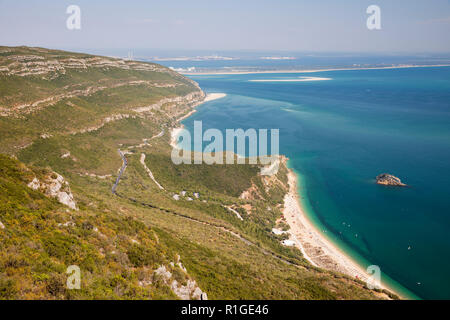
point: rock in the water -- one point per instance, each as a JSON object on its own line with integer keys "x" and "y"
{"x": 389, "y": 180}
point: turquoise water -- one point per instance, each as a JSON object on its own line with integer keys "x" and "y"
{"x": 339, "y": 135}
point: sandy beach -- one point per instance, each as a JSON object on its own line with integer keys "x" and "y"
{"x": 316, "y": 248}
{"x": 300, "y": 79}
{"x": 175, "y": 131}
{"x": 214, "y": 96}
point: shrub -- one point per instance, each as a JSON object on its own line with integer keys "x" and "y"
{"x": 7, "y": 289}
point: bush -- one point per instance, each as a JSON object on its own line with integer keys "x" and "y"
{"x": 56, "y": 285}
{"x": 141, "y": 256}
{"x": 7, "y": 289}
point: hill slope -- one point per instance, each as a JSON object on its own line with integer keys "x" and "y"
{"x": 169, "y": 231}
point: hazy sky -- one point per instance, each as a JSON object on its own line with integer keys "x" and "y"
{"x": 294, "y": 25}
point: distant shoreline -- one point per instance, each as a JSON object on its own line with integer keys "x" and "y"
{"x": 310, "y": 70}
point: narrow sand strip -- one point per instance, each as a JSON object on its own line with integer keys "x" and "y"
{"x": 214, "y": 96}
{"x": 300, "y": 79}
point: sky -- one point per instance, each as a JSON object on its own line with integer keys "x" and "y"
{"x": 264, "y": 25}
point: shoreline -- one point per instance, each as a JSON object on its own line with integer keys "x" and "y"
{"x": 316, "y": 247}
{"x": 310, "y": 70}
{"x": 176, "y": 130}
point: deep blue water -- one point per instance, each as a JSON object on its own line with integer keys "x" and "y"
{"x": 339, "y": 135}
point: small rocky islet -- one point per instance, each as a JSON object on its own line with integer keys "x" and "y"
{"x": 389, "y": 180}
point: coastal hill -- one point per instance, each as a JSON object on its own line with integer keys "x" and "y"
{"x": 74, "y": 125}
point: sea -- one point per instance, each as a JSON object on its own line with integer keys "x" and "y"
{"x": 339, "y": 134}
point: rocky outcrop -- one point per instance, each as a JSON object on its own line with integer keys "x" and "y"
{"x": 57, "y": 187}
{"x": 29, "y": 107}
{"x": 46, "y": 64}
{"x": 36, "y": 65}
{"x": 103, "y": 122}
{"x": 187, "y": 291}
{"x": 389, "y": 180}
{"x": 190, "y": 99}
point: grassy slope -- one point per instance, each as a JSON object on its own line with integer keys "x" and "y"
{"x": 35, "y": 251}
{"x": 116, "y": 91}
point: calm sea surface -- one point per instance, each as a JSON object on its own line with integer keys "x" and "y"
{"x": 339, "y": 135}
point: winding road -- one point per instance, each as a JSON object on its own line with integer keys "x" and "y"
{"x": 122, "y": 169}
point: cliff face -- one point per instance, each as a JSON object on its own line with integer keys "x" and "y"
{"x": 49, "y": 64}
{"x": 54, "y": 185}
{"x": 49, "y": 92}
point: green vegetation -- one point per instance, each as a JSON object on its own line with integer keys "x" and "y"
{"x": 119, "y": 241}
{"x": 69, "y": 92}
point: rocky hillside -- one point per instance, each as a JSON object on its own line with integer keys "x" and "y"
{"x": 47, "y": 92}
{"x": 119, "y": 257}
{"x": 72, "y": 126}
